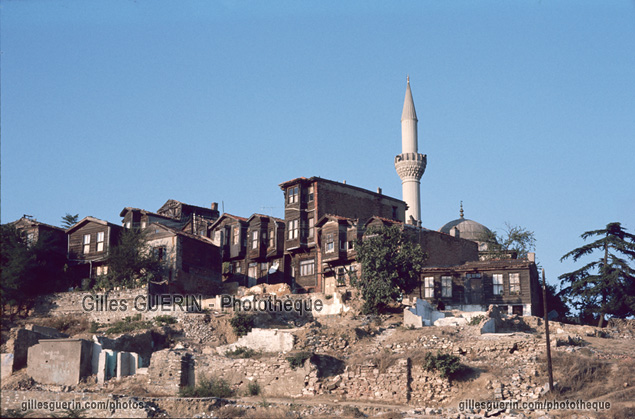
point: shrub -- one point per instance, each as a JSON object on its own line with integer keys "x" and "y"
{"x": 297, "y": 360}
{"x": 253, "y": 388}
{"x": 447, "y": 365}
{"x": 241, "y": 352}
{"x": 241, "y": 323}
{"x": 94, "y": 327}
{"x": 208, "y": 387}
{"x": 128, "y": 324}
{"x": 164, "y": 319}
{"x": 474, "y": 321}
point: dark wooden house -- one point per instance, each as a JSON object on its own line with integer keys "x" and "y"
{"x": 89, "y": 244}
{"x": 192, "y": 262}
{"x": 229, "y": 233}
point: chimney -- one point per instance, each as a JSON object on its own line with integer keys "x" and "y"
{"x": 214, "y": 206}
{"x": 379, "y": 191}
{"x": 531, "y": 256}
{"x": 344, "y": 182}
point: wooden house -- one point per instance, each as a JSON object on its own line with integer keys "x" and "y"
{"x": 89, "y": 243}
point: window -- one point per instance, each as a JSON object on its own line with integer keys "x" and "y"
{"x": 330, "y": 243}
{"x": 293, "y": 230}
{"x": 311, "y": 227}
{"x": 307, "y": 267}
{"x": 394, "y": 213}
{"x": 264, "y": 268}
{"x": 237, "y": 268}
{"x": 428, "y": 284}
{"x": 100, "y": 241}
{"x": 310, "y": 193}
{"x": 128, "y": 224}
{"x": 514, "y": 284}
{"x": 101, "y": 270}
{"x": 143, "y": 225}
{"x": 159, "y": 253}
{"x": 343, "y": 245}
{"x": 236, "y": 235}
{"x": 292, "y": 195}
{"x": 86, "y": 243}
{"x": 446, "y": 286}
{"x": 272, "y": 242}
{"x": 254, "y": 239}
{"x": 341, "y": 276}
{"x": 253, "y": 270}
{"x": 497, "y": 281}
{"x": 473, "y": 276}
{"x": 351, "y": 245}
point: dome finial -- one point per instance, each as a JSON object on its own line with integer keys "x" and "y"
{"x": 408, "y": 78}
{"x": 461, "y": 212}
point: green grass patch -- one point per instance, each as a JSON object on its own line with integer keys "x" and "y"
{"x": 241, "y": 352}
{"x": 208, "y": 387}
{"x": 297, "y": 360}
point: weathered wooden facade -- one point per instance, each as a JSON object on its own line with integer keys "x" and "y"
{"x": 229, "y": 233}
{"x": 510, "y": 284}
{"x": 306, "y": 202}
{"x": 192, "y": 262}
{"x": 265, "y": 249}
{"x": 34, "y": 230}
{"x": 89, "y": 243}
{"x": 193, "y": 219}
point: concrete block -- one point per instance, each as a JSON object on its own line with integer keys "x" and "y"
{"x": 489, "y": 326}
{"x": 101, "y": 367}
{"x": 123, "y": 364}
{"x": 60, "y": 361}
{"x": 95, "y": 359}
{"x": 412, "y": 320}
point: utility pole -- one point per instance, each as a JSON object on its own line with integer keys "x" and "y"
{"x": 544, "y": 304}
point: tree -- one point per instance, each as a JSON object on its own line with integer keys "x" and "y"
{"x": 391, "y": 265}
{"x": 605, "y": 286}
{"x": 29, "y": 269}
{"x": 515, "y": 239}
{"x": 131, "y": 262}
{"x": 69, "y": 220}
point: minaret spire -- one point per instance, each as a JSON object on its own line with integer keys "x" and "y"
{"x": 410, "y": 164}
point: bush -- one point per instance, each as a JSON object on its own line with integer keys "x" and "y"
{"x": 447, "y": 365}
{"x": 253, "y": 388}
{"x": 128, "y": 324}
{"x": 242, "y": 324}
{"x": 164, "y": 319}
{"x": 241, "y": 352}
{"x": 94, "y": 327}
{"x": 297, "y": 360}
{"x": 474, "y": 321}
{"x": 208, "y": 387}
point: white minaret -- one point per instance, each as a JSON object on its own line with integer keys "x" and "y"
{"x": 410, "y": 164}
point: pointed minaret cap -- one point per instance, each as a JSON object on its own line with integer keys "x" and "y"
{"x": 461, "y": 212}
{"x": 408, "y": 105}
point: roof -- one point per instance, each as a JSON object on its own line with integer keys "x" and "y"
{"x": 227, "y": 215}
{"x": 284, "y": 185}
{"x": 382, "y": 219}
{"x": 485, "y": 265}
{"x": 265, "y": 216}
{"x": 176, "y": 232}
{"x": 90, "y": 219}
{"x": 33, "y": 221}
{"x": 408, "y": 105}
{"x": 338, "y": 218}
{"x": 126, "y": 209}
{"x": 468, "y": 229}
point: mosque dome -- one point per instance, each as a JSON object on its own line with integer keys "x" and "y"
{"x": 466, "y": 229}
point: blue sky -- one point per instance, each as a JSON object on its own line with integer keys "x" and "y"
{"x": 526, "y": 109}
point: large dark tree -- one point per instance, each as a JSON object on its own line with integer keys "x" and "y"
{"x": 391, "y": 263}
{"x": 605, "y": 286}
{"x": 29, "y": 269}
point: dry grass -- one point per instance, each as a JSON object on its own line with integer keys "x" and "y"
{"x": 67, "y": 323}
{"x": 230, "y": 411}
{"x": 580, "y": 376}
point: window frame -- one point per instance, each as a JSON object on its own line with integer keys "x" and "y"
{"x": 428, "y": 287}
{"x": 307, "y": 267}
{"x": 497, "y": 284}
{"x": 446, "y": 290}
{"x": 514, "y": 288}
{"x": 100, "y": 243}
{"x": 86, "y": 244}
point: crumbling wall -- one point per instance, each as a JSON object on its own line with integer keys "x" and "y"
{"x": 264, "y": 340}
